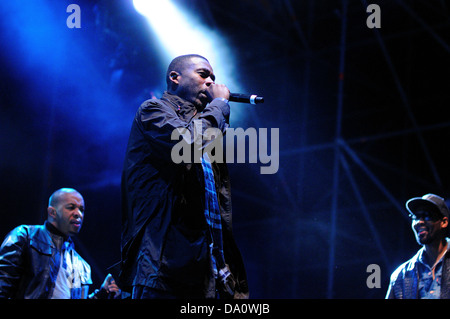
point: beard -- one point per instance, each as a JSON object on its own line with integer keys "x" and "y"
{"x": 424, "y": 240}
{"x": 201, "y": 101}
{"x": 429, "y": 236}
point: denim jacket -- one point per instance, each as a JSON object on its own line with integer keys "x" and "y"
{"x": 25, "y": 264}
{"x": 404, "y": 282}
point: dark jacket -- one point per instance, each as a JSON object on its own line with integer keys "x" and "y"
{"x": 165, "y": 239}
{"x": 25, "y": 263}
{"x": 404, "y": 281}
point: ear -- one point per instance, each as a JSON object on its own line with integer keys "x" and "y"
{"x": 444, "y": 222}
{"x": 173, "y": 76}
{"x": 51, "y": 212}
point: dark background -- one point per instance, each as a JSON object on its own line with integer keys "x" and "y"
{"x": 358, "y": 136}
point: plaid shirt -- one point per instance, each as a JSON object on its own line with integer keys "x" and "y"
{"x": 212, "y": 212}
{"x": 213, "y": 219}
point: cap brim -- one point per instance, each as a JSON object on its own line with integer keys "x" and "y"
{"x": 417, "y": 204}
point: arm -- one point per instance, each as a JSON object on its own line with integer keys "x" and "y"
{"x": 162, "y": 126}
{"x": 11, "y": 261}
{"x": 390, "y": 292}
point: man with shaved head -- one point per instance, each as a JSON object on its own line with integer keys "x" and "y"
{"x": 40, "y": 261}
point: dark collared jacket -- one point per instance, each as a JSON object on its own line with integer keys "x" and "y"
{"x": 25, "y": 263}
{"x": 165, "y": 239}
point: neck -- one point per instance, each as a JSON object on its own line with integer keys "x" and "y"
{"x": 435, "y": 250}
{"x": 52, "y": 228}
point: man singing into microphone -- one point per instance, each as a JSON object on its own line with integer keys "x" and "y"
{"x": 176, "y": 224}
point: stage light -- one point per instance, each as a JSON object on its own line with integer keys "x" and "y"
{"x": 178, "y": 32}
{"x": 181, "y": 33}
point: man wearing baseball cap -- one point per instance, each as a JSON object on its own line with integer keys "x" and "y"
{"x": 427, "y": 274}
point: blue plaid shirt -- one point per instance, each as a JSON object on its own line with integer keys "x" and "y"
{"x": 213, "y": 219}
{"x": 429, "y": 287}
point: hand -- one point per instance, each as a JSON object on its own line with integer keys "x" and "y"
{"x": 218, "y": 90}
{"x": 109, "y": 286}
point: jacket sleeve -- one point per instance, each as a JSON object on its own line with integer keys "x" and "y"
{"x": 11, "y": 261}
{"x": 162, "y": 125}
{"x": 390, "y": 292}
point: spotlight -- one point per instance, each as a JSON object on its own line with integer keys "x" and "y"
{"x": 178, "y": 32}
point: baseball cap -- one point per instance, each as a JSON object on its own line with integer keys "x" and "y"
{"x": 431, "y": 202}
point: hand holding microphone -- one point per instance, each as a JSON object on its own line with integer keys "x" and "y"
{"x": 220, "y": 90}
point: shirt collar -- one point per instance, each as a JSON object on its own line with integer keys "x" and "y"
{"x": 421, "y": 258}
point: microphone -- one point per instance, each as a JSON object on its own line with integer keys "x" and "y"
{"x": 246, "y": 98}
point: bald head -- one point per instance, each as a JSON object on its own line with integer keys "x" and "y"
{"x": 55, "y": 198}
{"x": 66, "y": 211}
